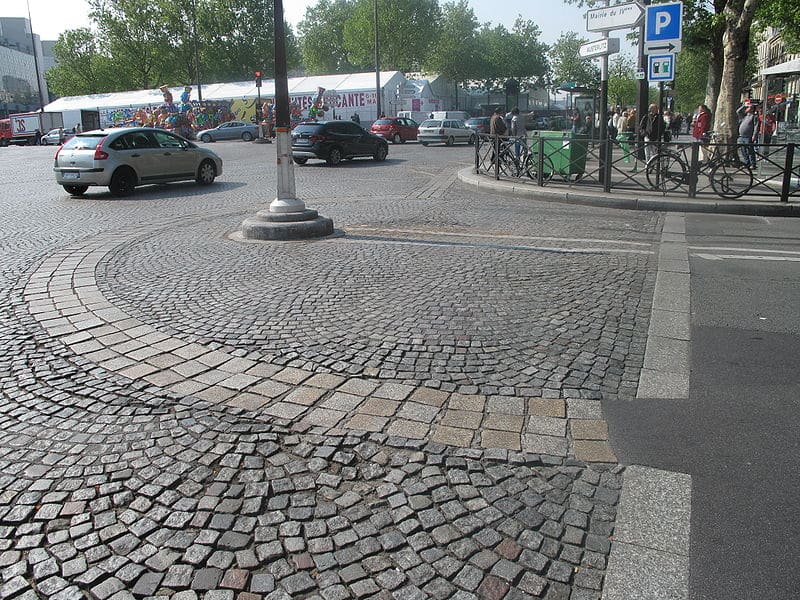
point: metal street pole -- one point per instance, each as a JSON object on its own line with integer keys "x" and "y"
{"x": 35, "y": 61}
{"x": 604, "y": 145}
{"x": 287, "y": 217}
{"x": 643, "y": 84}
{"x": 196, "y": 52}
{"x": 377, "y": 62}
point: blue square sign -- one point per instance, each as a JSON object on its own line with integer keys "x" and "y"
{"x": 661, "y": 67}
{"x": 663, "y": 22}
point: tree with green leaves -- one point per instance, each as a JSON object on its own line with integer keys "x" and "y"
{"x": 567, "y": 65}
{"x": 457, "y": 55}
{"x": 621, "y": 80}
{"x": 81, "y": 68}
{"x": 517, "y": 54}
{"x": 139, "y": 44}
{"x": 407, "y": 32}
{"x": 322, "y": 35}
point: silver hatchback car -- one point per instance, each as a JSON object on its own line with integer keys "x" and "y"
{"x": 125, "y": 158}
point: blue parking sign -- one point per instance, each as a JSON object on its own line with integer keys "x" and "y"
{"x": 663, "y": 22}
{"x": 661, "y": 67}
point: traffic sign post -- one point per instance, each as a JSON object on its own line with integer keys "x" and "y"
{"x": 661, "y": 67}
{"x": 602, "y": 47}
{"x": 608, "y": 18}
{"x": 663, "y": 28}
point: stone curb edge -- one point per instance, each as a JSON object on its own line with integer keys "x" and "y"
{"x": 650, "y": 549}
{"x": 735, "y": 207}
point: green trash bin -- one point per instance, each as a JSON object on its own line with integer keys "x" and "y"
{"x": 564, "y": 153}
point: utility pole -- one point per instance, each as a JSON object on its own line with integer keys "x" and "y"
{"x": 36, "y": 62}
{"x": 643, "y": 87}
{"x": 196, "y": 52}
{"x": 377, "y": 62}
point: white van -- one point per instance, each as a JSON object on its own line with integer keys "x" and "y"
{"x": 415, "y": 115}
{"x": 459, "y": 115}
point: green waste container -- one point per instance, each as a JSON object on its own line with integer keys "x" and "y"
{"x": 566, "y": 152}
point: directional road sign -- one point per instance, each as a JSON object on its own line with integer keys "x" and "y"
{"x": 661, "y": 67}
{"x": 663, "y": 28}
{"x": 602, "y": 47}
{"x": 608, "y": 18}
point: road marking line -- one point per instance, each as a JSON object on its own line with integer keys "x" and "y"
{"x": 762, "y": 250}
{"x": 499, "y": 246}
{"x": 499, "y": 235}
{"x": 746, "y": 257}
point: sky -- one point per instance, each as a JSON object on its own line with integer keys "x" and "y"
{"x": 51, "y": 17}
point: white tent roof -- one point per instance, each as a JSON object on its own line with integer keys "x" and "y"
{"x": 790, "y": 67}
{"x": 353, "y": 82}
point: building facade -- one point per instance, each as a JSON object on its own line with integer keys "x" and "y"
{"x": 20, "y": 83}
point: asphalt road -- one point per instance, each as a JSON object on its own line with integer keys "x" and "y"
{"x": 737, "y": 433}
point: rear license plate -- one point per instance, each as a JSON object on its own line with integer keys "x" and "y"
{"x": 71, "y": 175}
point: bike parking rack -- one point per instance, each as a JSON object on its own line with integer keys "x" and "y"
{"x": 698, "y": 169}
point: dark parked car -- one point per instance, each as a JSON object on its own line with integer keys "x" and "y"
{"x": 479, "y": 124}
{"x": 333, "y": 141}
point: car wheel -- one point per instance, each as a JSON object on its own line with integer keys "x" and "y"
{"x": 424, "y": 143}
{"x": 206, "y": 172}
{"x": 450, "y": 141}
{"x": 396, "y": 139}
{"x": 300, "y": 160}
{"x": 43, "y": 142}
{"x": 122, "y": 182}
{"x": 205, "y": 138}
{"x": 402, "y": 140}
{"x": 247, "y": 136}
{"x": 334, "y": 157}
{"x": 381, "y": 152}
{"x": 76, "y": 190}
{"x": 472, "y": 140}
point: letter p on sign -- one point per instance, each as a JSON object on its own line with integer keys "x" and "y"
{"x": 663, "y": 19}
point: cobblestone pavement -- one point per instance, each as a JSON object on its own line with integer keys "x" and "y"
{"x": 410, "y": 409}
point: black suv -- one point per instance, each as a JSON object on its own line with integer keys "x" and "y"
{"x": 333, "y": 141}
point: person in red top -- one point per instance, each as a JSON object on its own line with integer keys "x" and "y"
{"x": 701, "y": 126}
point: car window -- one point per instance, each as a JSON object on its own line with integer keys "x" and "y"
{"x": 139, "y": 139}
{"x": 383, "y": 122}
{"x": 83, "y": 142}
{"x": 412, "y": 123}
{"x": 121, "y": 143}
{"x": 236, "y": 124}
{"x": 166, "y": 140}
{"x": 351, "y": 128}
{"x": 307, "y": 129}
{"x": 431, "y": 123}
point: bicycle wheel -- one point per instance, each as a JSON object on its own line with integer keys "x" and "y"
{"x": 532, "y": 164}
{"x": 508, "y": 164}
{"x": 666, "y": 172}
{"x": 731, "y": 179}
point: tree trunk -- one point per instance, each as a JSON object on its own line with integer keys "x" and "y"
{"x": 715, "y": 60}
{"x": 735, "y": 41}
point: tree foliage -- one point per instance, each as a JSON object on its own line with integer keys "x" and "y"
{"x": 621, "y": 80}
{"x": 406, "y": 33}
{"x": 457, "y": 54}
{"x": 568, "y": 66}
{"x": 322, "y": 35}
{"x": 140, "y": 44}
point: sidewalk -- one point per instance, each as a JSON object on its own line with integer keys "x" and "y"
{"x": 561, "y": 192}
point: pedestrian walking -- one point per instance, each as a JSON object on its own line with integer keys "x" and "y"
{"x": 624, "y": 135}
{"x": 575, "y": 119}
{"x": 497, "y": 124}
{"x": 651, "y": 128}
{"x": 747, "y": 134}
{"x": 516, "y": 130}
{"x": 701, "y": 129}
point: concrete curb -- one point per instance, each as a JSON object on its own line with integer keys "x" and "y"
{"x": 650, "y": 552}
{"x": 569, "y": 196}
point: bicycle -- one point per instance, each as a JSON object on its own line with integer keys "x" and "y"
{"x": 728, "y": 175}
{"x": 526, "y": 163}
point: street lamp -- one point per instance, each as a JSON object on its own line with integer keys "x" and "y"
{"x": 287, "y": 217}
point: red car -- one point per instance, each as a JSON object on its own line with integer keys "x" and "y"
{"x": 396, "y": 129}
